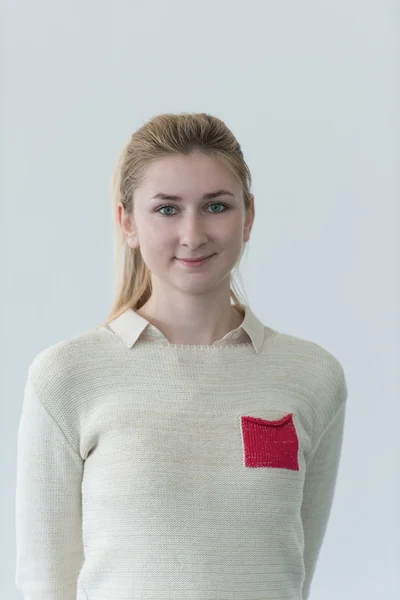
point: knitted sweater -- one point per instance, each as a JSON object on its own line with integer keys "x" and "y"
{"x": 148, "y": 470}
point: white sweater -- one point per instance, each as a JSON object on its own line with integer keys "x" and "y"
{"x": 151, "y": 471}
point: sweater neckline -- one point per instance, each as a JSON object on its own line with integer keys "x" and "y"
{"x": 132, "y": 328}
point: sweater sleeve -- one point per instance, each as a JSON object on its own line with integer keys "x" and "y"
{"x": 320, "y": 480}
{"x": 48, "y": 506}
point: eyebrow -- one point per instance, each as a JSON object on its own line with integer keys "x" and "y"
{"x": 208, "y": 196}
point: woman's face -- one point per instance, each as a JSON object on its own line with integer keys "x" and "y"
{"x": 167, "y": 229}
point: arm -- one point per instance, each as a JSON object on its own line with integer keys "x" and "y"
{"x": 48, "y": 506}
{"x": 320, "y": 479}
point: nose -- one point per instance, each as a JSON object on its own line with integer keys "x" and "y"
{"x": 193, "y": 230}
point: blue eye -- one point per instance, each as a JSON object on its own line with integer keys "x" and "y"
{"x": 212, "y": 204}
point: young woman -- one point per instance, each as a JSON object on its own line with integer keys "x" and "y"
{"x": 182, "y": 449}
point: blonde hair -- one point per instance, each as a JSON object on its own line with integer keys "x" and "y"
{"x": 164, "y": 135}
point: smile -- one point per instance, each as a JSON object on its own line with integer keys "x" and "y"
{"x": 195, "y": 263}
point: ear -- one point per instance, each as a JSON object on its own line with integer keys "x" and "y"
{"x": 250, "y": 214}
{"x": 127, "y": 227}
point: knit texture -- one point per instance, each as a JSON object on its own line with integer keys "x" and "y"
{"x": 148, "y": 470}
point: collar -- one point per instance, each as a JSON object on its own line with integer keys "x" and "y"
{"x": 130, "y": 326}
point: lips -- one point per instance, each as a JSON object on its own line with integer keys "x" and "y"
{"x": 195, "y": 262}
{"x": 195, "y": 259}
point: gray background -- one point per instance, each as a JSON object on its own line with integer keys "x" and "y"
{"x": 310, "y": 89}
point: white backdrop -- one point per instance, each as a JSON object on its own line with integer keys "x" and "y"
{"x": 309, "y": 88}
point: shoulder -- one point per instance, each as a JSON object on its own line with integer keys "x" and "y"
{"x": 315, "y": 365}
{"x": 306, "y": 349}
{"x": 67, "y": 361}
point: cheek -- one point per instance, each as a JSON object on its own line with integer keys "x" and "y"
{"x": 155, "y": 244}
{"x": 152, "y": 233}
{"x": 232, "y": 224}
{"x": 230, "y": 232}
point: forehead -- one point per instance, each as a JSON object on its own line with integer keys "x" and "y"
{"x": 197, "y": 170}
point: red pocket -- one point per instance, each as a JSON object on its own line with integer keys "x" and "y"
{"x": 273, "y": 444}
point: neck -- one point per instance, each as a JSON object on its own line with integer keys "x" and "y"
{"x": 188, "y": 326}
